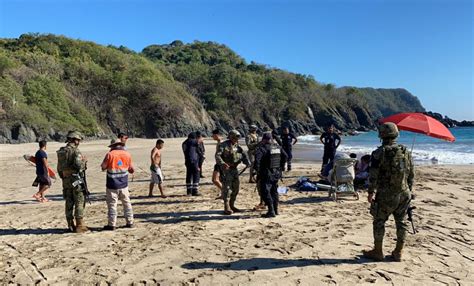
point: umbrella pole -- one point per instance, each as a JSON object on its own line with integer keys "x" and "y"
{"x": 413, "y": 144}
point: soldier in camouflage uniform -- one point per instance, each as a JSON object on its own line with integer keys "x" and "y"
{"x": 229, "y": 155}
{"x": 252, "y": 142}
{"x": 70, "y": 164}
{"x": 391, "y": 173}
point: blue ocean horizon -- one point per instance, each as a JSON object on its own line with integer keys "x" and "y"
{"x": 426, "y": 150}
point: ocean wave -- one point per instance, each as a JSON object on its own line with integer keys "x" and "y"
{"x": 423, "y": 155}
{"x": 308, "y": 139}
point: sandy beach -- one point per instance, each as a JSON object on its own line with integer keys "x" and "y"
{"x": 184, "y": 240}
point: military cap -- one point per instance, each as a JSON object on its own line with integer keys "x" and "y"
{"x": 234, "y": 134}
{"x": 74, "y": 135}
{"x": 253, "y": 127}
{"x": 388, "y": 130}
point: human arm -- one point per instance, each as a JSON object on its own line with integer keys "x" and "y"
{"x": 131, "y": 168}
{"x": 321, "y": 138}
{"x": 79, "y": 161}
{"x": 294, "y": 138}
{"x": 373, "y": 173}
{"x": 338, "y": 138}
{"x": 283, "y": 155}
{"x": 245, "y": 158}
{"x": 103, "y": 165}
{"x": 153, "y": 153}
{"x": 219, "y": 156}
{"x": 45, "y": 162}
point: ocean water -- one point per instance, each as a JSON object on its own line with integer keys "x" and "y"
{"x": 426, "y": 150}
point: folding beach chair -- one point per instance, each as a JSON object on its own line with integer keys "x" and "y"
{"x": 342, "y": 177}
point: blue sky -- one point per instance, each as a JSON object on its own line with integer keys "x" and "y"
{"x": 424, "y": 46}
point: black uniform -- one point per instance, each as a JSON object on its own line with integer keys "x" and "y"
{"x": 191, "y": 159}
{"x": 287, "y": 144}
{"x": 202, "y": 156}
{"x": 268, "y": 161}
{"x": 330, "y": 146}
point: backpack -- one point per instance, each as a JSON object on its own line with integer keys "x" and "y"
{"x": 395, "y": 164}
{"x": 63, "y": 159}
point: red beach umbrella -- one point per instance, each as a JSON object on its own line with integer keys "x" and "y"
{"x": 420, "y": 123}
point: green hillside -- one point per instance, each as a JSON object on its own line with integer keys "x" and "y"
{"x": 50, "y": 84}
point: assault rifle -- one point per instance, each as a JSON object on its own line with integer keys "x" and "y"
{"x": 410, "y": 217}
{"x": 82, "y": 181}
{"x": 410, "y": 213}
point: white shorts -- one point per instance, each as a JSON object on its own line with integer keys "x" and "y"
{"x": 156, "y": 177}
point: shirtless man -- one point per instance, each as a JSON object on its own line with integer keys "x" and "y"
{"x": 217, "y": 172}
{"x": 155, "y": 168}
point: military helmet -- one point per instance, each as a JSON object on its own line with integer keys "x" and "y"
{"x": 74, "y": 135}
{"x": 253, "y": 127}
{"x": 388, "y": 130}
{"x": 234, "y": 134}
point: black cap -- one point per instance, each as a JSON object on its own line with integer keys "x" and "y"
{"x": 122, "y": 134}
{"x": 267, "y": 136}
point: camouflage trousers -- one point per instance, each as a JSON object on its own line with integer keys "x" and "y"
{"x": 386, "y": 205}
{"x": 75, "y": 201}
{"x": 230, "y": 184}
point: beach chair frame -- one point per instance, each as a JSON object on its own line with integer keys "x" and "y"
{"x": 344, "y": 187}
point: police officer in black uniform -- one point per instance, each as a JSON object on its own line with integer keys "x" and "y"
{"x": 191, "y": 160}
{"x": 268, "y": 160}
{"x": 288, "y": 139}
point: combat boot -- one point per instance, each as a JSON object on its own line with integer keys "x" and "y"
{"x": 271, "y": 212}
{"x": 397, "y": 252}
{"x": 374, "y": 254}
{"x": 227, "y": 210}
{"x": 70, "y": 225}
{"x": 275, "y": 208}
{"x": 233, "y": 208}
{"x": 80, "y": 226}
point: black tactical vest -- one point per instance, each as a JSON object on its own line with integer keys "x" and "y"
{"x": 275, "y": 157}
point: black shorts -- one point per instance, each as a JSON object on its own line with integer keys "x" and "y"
{"x": 43, "y": 180}
{"x": 217, "y": 168}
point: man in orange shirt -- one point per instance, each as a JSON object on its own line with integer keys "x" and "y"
{"x": 118, "y": 164}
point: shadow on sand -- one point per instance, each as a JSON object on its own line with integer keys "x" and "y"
{"x": 178, "y": 217}
{"x": 33, "y": 231}
{"x": 252, "y": 264}
{"x": 307, "y": 200}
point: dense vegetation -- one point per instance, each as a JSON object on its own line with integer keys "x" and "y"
{"x": 50, "y": 84}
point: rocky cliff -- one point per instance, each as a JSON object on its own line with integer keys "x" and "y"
{"x": 51, "y": 84}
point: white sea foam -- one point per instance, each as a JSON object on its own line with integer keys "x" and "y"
{"x": 423, "y": 156}
{"x": 308, "y": 139}
{"x": 462, "y": 154}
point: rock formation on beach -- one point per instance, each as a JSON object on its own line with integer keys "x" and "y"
{"x": 50, "y": 84}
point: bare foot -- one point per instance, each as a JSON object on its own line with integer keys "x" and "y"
{"x": 150, "y": 195}
{"x": 259, "y": 207}
{"x": 44, "y": 200}
{"x": 163, "y": 196}
{"x": 37, "y": 197}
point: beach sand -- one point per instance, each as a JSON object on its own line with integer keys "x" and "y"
{"x": 184, "y": 240}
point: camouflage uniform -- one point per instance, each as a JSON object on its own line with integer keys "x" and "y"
{"x": 391, "y": 174}
{"x": 70, "y": 164}
{"x": 232, "y": 155}
{"x": 252, "y": 142}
